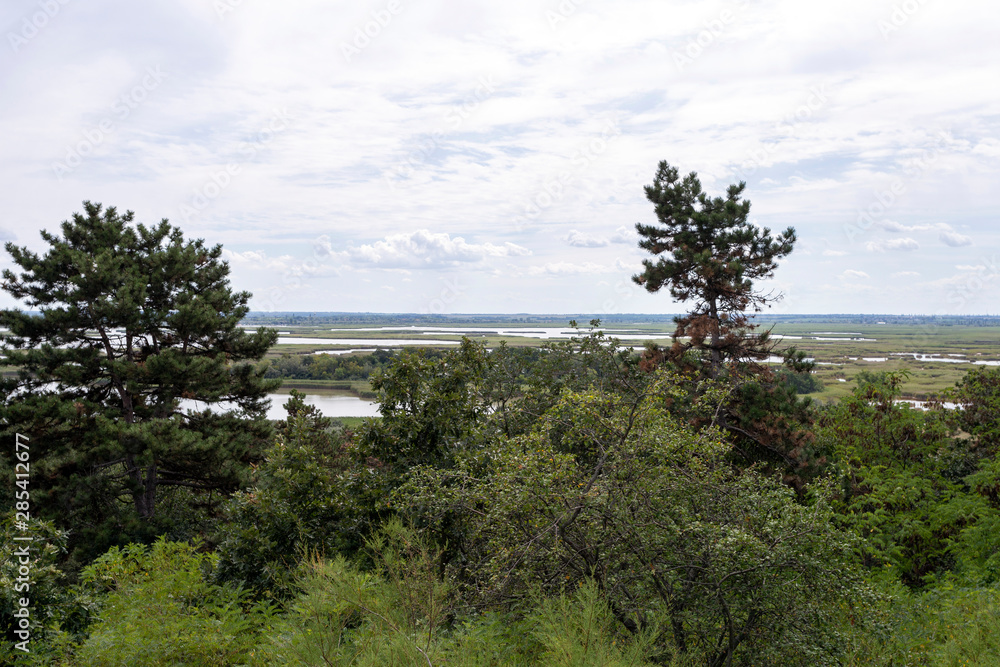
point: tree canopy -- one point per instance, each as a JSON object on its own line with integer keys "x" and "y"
{"x": 125, "y": 323}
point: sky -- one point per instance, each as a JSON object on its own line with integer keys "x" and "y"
{"x": 421, "y": 156}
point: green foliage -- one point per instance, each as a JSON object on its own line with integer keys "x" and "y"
{"x": 394, "y": 615}
{"x": 329, "y": 366}
{"x": 906, "y": 484}
{"x": 428, "y": 406}
{"x": 157, "y": 609}
{"x": 45, "y": 585}
{"x": 311, "y": 494}
{"x": 978, "y": 395}
{"x": 956, "y": 627}
{"x": 436, "y": 407}
{"x": 607, "y": 486}
{"x": 944, "y": 625}
{"x": 770, "y": 425}
{"x": 800, "y": 383}
{"x": 580, "y": 630}
{"x": 404, "y": 612}
{"x": 133, "y": 319}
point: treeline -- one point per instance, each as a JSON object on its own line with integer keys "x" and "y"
{"x": 364, "y": 366}
{"x": 274, "y": 319}
{"x": 328, "y": 366}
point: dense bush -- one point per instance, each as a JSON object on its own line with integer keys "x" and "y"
{"x": 918, "y": 496}
{"x": 156, "y": 608}
{"x": 725, "y": 562}
{"x": 311, "y": 494}
{"x": 404, "y": 612}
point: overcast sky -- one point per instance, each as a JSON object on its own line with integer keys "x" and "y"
{"x": 429, "y": 156}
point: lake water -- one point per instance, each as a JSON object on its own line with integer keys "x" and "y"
{"x": 527, "y": 332}
{"x": 331, "y": 405}
{"x": 380, "y": 342}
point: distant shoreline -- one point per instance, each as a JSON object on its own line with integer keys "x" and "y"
{"x": 583, "y": 320}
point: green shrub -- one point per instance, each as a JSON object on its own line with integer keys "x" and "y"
{"x": 580, "y": 630}
{"x": 157, "y": 609}
{"x": 52, "y": 604}
{"x": 310, "y": 495}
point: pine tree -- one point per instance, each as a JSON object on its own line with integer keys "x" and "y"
{"x": 130, "y": 321}
{"x": 709, "y": 254}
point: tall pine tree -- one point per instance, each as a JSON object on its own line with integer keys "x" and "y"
{"x": 129, "y": 321}
{"x": 709, "y": 254}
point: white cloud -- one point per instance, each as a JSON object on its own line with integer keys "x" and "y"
{"x": 423, "y": 249}
{"x": 893, "y": 226}
{"x": 906, "y": 274}
{"x": 906, "y": 244}
{"x": 835, "y": 253}
{"x": 626, "y": 235}
{"x": 947, "y": 235}
{"x": 553, "y": 268}
{"x": 622, "y": 234}
{"x": 988, "y": 146}
{"x": 954, "y": 239}
{"x": 806, "y": 102}
{"x": 852, "y": 273}
{"x": 257, "y": 259}
{"x": 582, "y": 240}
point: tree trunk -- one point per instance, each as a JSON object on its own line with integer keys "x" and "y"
{"x": 716, "y": 354}
{"x": 144, "y": 497}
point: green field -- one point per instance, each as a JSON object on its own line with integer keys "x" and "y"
{"x": 857, "y": 346}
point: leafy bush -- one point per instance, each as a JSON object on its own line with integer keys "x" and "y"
{"x": 394, "y": 615}
{"x": 45, "y": 586}
{"x": 157, "y": 609}
{"x": 609, "y": 487}
{"x": 580, "y": 630}
{"x": 404, "y": 612}
{"x": 906, "y": 484}
{"x": 311, "y": 495}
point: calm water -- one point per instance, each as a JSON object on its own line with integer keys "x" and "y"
{"x": 331, "y": 405}
{"x": 381, "y": 342}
